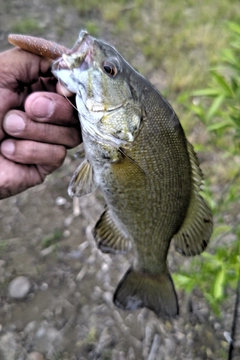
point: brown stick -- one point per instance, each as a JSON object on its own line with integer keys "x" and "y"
{"x": 38, "y": 46}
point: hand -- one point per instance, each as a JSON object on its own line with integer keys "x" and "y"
{"x": 36, "y": 126}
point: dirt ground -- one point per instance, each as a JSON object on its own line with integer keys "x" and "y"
{"x": 68, "y": 313}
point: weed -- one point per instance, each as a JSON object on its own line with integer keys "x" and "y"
{"x": 27, "y": 25}
{"x": 217, "y": 106}
{"x": 52, "y": 239}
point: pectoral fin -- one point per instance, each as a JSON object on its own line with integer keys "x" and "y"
{"x": 196, "y": 230}
{"x": 82, "y": 182}
{"x": 108, "y": 236}
{"x": 80, "y": 153}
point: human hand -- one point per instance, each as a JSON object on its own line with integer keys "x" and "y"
{"x": 36, "y": 126}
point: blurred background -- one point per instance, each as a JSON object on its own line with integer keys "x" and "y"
{"x": 190, "y": 51}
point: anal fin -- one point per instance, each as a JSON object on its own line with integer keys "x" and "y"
{"x": 196, "y": 230}
{"x": 109, "y": 237}
{"x": 82, "y": 182}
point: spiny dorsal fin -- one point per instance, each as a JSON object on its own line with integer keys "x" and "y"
{"x": 196, "y": 230}
{"x": 108, "y": 236}
{"x": 82, "y": 182}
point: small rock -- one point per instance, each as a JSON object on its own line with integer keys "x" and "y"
{"x": 47, "y": 251}
{"x": 60, "y": 201}
{"x": 108, "y": 296}
{"x": 8, "y": 346}
{"x": 30, "y": 327}
{"x": 66, "y": 233}
{"x": 19, "y": 287}
{"x": 2, "y": 263}
{"x": 35, "y": 356}
{"x": 47, "y": 339}
{"x": 44, "y": 286}
{"x": 68, "y": 220}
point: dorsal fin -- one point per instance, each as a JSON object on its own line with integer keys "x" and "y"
{"x": 196, "y": 230}
{"x": 108, "y": 236}
{"x": 82, "y": 182}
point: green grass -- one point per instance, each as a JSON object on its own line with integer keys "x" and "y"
{"x": 3, "y": 246}
{"x": 27, "y": 25}
{"x": 217, "y": 106}
{"x": 181, "y": 38}
{"x": 52, "y": 239}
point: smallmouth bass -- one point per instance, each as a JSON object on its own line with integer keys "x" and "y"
{"x": 137, "y": 154}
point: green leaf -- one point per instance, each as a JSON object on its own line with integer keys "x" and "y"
{"x": 182, "y": 279}
{"x": 227, "y": 91}
{"x": 236, "y": 121}
{"x": 234, "y": 27}
{"x": 206, "y": 92}
{"x": 215, "y": 106}
{"x": 199, "y": 111}
{"x": 218, "y": 286}
{"x": 213, "y": 303}
{"x": 218, "y": 126}
{"x": 184, "y": 282}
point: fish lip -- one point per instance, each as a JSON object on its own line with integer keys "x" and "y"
{"x": 81, "y": 52}
{"x": 84, "y": 40}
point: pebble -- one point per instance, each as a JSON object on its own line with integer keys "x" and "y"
{"x": 60, "y": 201}
{"x": 47, "y": 251}
{"x": 44, "y": 286}
{"x": 19, "y": 287}
{"x": 35, "y": 356}
{"x": 8, "y": 346}
{"x": 107, "y": 297}
{"x": 30, "y": 327}
{"x": 66, "y": 233}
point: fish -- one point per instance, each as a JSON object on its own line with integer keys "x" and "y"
{"x": 137, "y": 155}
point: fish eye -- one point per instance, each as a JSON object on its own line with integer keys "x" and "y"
{"x": 110, "y": 68}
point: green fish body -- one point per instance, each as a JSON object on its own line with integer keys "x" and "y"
{"x": 137, "y": 154}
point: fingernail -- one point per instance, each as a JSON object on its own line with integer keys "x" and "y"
{"x": 13, "y": 124}
{"x": 8, "y": 147}
{"x": 42, "y": 107}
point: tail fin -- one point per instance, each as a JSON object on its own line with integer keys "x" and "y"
{"x": 156, "y": 292}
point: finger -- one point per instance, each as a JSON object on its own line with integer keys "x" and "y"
{"x": 15, "y": 178}
{"x": 18, "y": 68}
{"x": 17, "y": 124}
{"x": 31, "y": 152}
{"x": 51, "y": 108}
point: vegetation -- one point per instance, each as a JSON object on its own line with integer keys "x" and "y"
{"x": 27, "y": 25}
{"x": 218, "y": 108}
{"x": 52, "y": 239}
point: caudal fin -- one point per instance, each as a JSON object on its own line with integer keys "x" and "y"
{"x": 156, "y": 292}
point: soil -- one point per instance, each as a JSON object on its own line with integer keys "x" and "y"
{"x": 68, "y": 313}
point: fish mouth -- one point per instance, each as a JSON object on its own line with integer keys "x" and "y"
{"x": 80, "y": 56}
